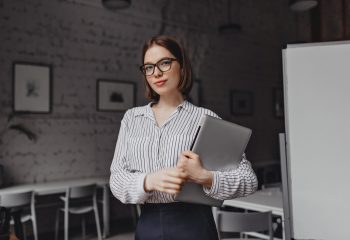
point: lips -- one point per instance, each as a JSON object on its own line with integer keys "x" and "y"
{"x": 160, "y": 83}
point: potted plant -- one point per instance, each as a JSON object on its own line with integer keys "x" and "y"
{"x": 12, "y": 125}
{"x": 19, "y": 127}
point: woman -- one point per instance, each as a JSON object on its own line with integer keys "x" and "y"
{"x": 152, "y": 159}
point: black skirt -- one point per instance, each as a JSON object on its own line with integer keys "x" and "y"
{"x": 176, "y": 221}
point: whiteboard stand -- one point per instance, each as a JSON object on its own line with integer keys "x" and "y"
{"x": 285, "y": 188}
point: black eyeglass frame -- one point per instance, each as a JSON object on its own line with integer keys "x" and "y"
{"x": 156, "y": 65}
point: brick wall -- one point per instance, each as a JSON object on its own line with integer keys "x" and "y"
{"x": 84, "y": 42}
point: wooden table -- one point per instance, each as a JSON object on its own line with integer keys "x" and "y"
{"x": 56, "y": 187}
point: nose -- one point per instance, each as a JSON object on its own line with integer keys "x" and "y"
{"x": 157, "y": 72}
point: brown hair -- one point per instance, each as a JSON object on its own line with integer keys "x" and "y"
{"x": 175, "y": 48}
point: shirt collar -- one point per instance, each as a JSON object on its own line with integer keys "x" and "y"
{"x": 186, "y": 106}
{"x": 147, "y": 110}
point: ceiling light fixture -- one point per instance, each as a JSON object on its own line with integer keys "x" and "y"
{"x": 302, "y": 5}
{"x": 230, "y": 27}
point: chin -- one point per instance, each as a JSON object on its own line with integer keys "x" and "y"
{"x": 166, "y": 92}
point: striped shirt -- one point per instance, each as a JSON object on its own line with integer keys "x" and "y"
{"x": 143, "y": 147}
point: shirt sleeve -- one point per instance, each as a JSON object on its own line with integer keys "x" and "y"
{"x": 229, "y": 184}
{"x": 126, "y": 184}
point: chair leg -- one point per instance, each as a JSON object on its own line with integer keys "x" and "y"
{"x": 97, "y": 219}
{"x": 24, "y": 231}
{"x": 83, "y": 232}
{"x": 33, "y": 217}
{"x": 57, "y": 223}
{"x": 16, "y": 215}
{"x": 35, "y": 229}
{"x": 66, "y": 225}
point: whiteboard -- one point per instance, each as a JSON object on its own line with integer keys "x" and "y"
{"x": 317, "y": 114}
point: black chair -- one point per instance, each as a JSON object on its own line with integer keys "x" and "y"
{"x": 17, "y": 203}
{"x": 4, "y": 223}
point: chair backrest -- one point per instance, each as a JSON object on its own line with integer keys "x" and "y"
{"x": 244, "y": 222}
{"x": 82, "y": 191}
{"x": 10, "y": 200}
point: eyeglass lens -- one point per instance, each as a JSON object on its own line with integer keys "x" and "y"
{"x": 163, "y": 65}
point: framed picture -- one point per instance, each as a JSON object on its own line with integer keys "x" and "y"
{"x": 194, "y": 96}
{"x": 32, "y": 88}
{"x": 241, "y": 102}
{"x": 115, "y": 95}
{"x": 278, "y": 102}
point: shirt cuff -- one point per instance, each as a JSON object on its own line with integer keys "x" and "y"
{"x": 143, "y": 195}
{"x": 214, "y": 189}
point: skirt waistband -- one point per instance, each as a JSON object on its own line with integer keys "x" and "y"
{"x": 175, "y": 206}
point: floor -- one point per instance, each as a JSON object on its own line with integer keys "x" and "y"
{"x": 120, "y": 236}
{"x": 120, "y": 230}
{"x": 123, "y": 236}
{"x": 117, "y": 236}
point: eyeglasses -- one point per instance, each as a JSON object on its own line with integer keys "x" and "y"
{"x": 163, "y": 65}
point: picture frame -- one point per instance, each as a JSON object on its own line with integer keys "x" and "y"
{"x": 115, "y": 95}
{"x": 32, "y": 88}
{"x": 241, "y": 102}
{"x": 278, "y": 102}
{"x": 195, "y": 94}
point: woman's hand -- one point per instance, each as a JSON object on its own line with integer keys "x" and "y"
{"x": 168, "y": 180}
{"x": 191, "y": 165}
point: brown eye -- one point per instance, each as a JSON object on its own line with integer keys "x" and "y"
{"x": 164, "y": 65}
{"x": 148, "y": 69}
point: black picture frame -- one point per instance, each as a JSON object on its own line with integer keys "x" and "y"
{"x": 241, "y": 102}
{"x": 278, "y": 102}
{"x": 32, "y": 87}
{"x": 195, "y": 94}
{"x": 115, "y": 95}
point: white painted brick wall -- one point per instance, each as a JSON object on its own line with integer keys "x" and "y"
{"x": 84, "y": 43}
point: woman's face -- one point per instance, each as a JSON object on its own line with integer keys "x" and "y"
{"x": 163, "y": 83}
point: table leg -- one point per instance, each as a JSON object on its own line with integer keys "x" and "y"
{"x": 283, "y": 230}
{"x": 106, "y": 215}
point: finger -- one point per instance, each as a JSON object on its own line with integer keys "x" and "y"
{"x": 182, "y": 158}
{"x": 172, "y": 186}
{"x": 165, "y": 187}
{"x": 181, "y": 162}
{"x": 190, "y": 154}
{"x": 177, "y": 173}
{"x": 173, "y": 172}
{"x": 183, "y": 173}
{"x": 185, "y": 154}
{"x": 176, "y": 176}
{"x": 180, "y": 165}
{"x": 175, "y": 180}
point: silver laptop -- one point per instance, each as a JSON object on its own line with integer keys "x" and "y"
{"x": 220, "y": 145}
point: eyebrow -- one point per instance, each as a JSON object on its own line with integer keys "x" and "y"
{"x": 158, "y": 60}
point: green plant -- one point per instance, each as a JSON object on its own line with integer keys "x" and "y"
{"x": 19, "y": 127}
